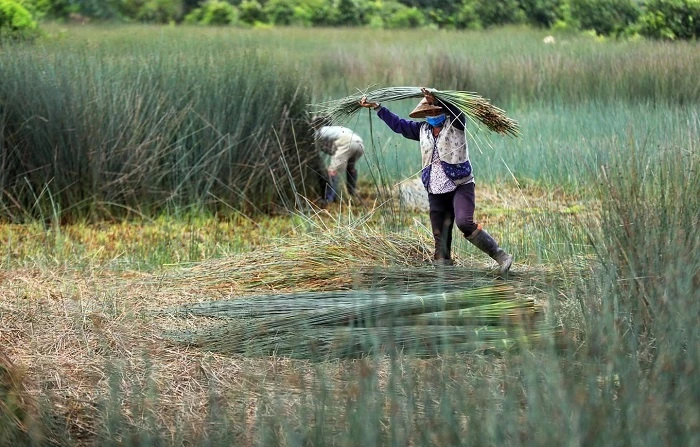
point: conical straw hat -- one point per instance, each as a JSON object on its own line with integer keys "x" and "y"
{"x": 423, "y": 109}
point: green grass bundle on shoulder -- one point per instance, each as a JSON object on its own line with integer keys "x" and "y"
{"x": 478, "y": 109}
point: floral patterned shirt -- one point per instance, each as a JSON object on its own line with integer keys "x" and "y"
{"x": 439, "y": 182}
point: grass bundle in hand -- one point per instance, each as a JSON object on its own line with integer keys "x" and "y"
{"x": 478, "y": 109}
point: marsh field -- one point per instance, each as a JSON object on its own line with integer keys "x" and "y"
{"x": 166, "y": 277}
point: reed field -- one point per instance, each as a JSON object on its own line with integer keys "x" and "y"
{"x": 166, "y": 277}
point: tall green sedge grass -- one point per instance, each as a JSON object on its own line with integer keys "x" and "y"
{"x": 648, "y": 247}
{"x": 628, "y": 377}
{"x": 629, "y": 374}
{"x": 643, "y": 321}
{"x": 98, "y": 130}
{"x": 129, "y": 120}
{"x": 507, "y": 65}
{"x": 559, "y": 144}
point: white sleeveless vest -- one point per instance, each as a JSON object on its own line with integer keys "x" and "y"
{"x": 453, "y": 150}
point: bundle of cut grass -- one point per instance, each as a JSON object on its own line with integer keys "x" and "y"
{"x": 352, "y": 323}
{"x": 478, "y": 109}
{"x": 341, "y": 307}
{"x": 314, "y": 261}
{"x": 351, "y": 342}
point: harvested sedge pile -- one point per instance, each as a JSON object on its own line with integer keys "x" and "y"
{"x": 339, "y": 324}
{"x": 311, "y": 261}
{"x": 478, "y": 109}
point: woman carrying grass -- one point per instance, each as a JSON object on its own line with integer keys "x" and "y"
{"x": 447, "y": 174}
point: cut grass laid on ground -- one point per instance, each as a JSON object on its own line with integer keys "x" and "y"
{"x": 361, "y": 322}
{"x": 83, "y": 336}
{"x": 310, "y": 261}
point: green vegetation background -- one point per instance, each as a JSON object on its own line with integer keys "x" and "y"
{"x": 115, "y": 121}
{"x": 664, "y": 19}
{"x": 111, "y": 121}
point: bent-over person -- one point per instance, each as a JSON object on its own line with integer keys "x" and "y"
{"x": 345, "y": 147}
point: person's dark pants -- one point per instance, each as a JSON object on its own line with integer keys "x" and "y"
{"x": 448, "y": 209}
{"x": 351, "y": 177}
{"x": 331, "y": 190}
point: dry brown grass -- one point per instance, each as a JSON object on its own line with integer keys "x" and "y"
{"x": 71, "y": 335}
{"x": 73, "y": 332}
{"x": 17, "y": 408}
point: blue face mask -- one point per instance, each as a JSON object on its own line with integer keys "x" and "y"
{"x": 435, "y": 120}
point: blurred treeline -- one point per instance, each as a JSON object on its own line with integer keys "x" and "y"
{"x": 665, "y": 19}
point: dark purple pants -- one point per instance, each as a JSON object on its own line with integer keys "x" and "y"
{"x": 448, "y": 209}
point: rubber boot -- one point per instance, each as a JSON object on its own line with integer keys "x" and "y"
{"x": 442, "y": 235}
{"x": 441, "y": 256}
{"x": 484, "y": 242}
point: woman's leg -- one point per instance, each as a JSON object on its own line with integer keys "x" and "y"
{"x": 442, "y": 220}
{"x": 464, "y": 204}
